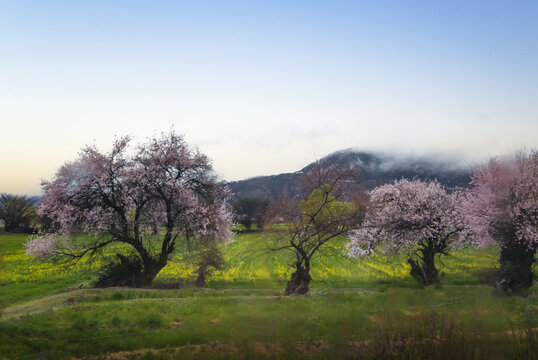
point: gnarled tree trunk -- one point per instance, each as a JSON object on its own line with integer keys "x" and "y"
{"x": 515, "y": 272}
{"x": 149, "y": 273}
{"x": 298, "y": 283}
{"x": 423, "y": 270}
{"x": 202, "y": 271}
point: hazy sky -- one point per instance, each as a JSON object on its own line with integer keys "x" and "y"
{"x": 264, "y": 88}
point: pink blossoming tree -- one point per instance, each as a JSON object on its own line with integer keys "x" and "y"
{"x": 415, "y": 218}
{"x": 501, "y": 207}
{"x": 116, "y": 196}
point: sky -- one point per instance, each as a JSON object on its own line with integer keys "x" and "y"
{"x": 264, "y": 87}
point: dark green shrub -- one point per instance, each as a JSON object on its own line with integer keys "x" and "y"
{"x": 121, "y": 271}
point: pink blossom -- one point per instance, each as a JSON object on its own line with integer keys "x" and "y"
{"x": 503, "y": 201}
{"x": 46, "y": 245}
{"x": 405, "y": 215}
{"x": 116, "y": 195}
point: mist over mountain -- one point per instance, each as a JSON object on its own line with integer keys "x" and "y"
{"x": 373, "y": 169}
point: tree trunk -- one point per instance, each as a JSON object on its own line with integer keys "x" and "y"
{"x": 146, "y": 277}
{"x": 298, "y": 284}
{"x": 424, "y": 270}
{"x": 515, "y": 273}
{"x": 200, "y": 279}
{"x": 188, "y": 243}
{"x": 150, "y": 271}
{"x": 211, "y": 258}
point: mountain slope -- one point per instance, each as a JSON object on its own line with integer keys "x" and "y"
{"x": 373, "y": 169}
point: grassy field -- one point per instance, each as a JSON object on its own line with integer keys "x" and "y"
{"x": 357, "y": 309}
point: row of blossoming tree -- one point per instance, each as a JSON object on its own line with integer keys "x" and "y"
{"x": 423, "y": 221}
{"x": 168, "y": 189}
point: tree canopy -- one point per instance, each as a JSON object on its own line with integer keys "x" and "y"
{"x": 313, "y": 222}
{"x": 17, "y": 212}
{"x": 419, "y": 219}
{"x": 116, "y": 196}
{"x": 250, "y": 210}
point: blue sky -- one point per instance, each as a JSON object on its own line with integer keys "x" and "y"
{"x": 265, "y": 87}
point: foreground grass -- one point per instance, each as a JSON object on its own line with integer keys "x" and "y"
{"x": 358, "y": 309}
{"x": 90, "y": 322}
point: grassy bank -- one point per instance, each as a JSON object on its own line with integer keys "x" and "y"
{"x": 358, "y": 309}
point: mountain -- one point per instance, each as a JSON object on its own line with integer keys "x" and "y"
{"x": 373, "y": 169}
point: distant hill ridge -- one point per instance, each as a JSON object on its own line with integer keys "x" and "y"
{"x": 374, "y": 169}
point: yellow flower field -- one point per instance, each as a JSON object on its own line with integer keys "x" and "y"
{"x": 248, "y": 261}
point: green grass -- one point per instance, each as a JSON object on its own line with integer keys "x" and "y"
{"x": 362, "y": 306}
{"x": 249, "y": 265}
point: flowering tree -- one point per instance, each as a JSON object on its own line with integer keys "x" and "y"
{"x": 17, "y": 212}
{"x": 250, "y": 211}
{"x": 116, "y": 196}
{"x": 313, "y": 222}
{"x": 208, "y": 258}
{"x": 501, "y": 207}
{"x": 416, "y": 218}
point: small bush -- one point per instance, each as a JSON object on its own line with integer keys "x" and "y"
{"x": 121, "y": 271}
